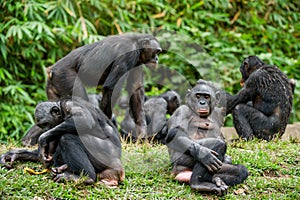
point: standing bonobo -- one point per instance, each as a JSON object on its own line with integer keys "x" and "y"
{"x": 262, "y": 107}
{"x": 79, "y": 139}
{"x": 103, "y": 64}
{"x": 195, "y": 143}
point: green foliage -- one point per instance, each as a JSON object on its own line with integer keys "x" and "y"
{"x": 273, "y": 167}
{"x": 208, "y": 39}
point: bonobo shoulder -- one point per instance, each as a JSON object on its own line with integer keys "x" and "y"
{"x": 183, "y": 111}
{"x": 156, "y": 100}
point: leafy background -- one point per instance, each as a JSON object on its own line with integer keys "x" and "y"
{"x": 217, "y": 35}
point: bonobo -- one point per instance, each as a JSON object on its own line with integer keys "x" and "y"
{"x": 78, "y": 139}
{"x": 32, "y": 136}
{"x": 103, "y": 64}
{"x": 156, "y": 109}
{"x": 195, "y": 143}
{"x": 270, "y": 95}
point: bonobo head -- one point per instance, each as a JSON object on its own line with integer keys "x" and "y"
{"x": 249, "y": 65}
{"x": 48, "y": 114}
{"x": 173, "y": 100}
{"x": 150, "y": 48}
{"x": 203, "y": 98}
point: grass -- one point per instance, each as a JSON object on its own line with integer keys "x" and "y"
{"x": 274, "y": 174}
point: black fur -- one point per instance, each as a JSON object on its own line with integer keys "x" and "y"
{"x": 269, "y": 92}
{"x": 104, "y": 63}
{"x": 156, "y": 109}
{"x": 78, "y": 138}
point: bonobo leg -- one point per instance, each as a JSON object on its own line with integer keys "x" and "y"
{"x": 250, "y": 122}
{"x": 202, "y": 178}
{"x": 70, "y": 151}
{"x": 106, "y": 104}
{"x": 136, "y": 92}
{"x": 232, "y": 174}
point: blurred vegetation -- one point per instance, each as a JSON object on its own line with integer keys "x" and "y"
{"x": 205, "y": 38}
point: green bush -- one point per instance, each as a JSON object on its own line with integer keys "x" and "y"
{"x": 36, "y": 33}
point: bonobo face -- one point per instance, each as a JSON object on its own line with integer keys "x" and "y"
{"x": 201, "y": 99}
{"x": 149, "y": 53}
{"x": 249, "y": 65}
{"x": 48, "y": 115}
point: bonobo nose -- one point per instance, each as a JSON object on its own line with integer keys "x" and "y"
{"x": 202, "y": 102}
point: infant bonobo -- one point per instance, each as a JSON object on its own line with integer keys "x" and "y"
{"x": 78, "y": 139}
{"x": 195, "y": 143}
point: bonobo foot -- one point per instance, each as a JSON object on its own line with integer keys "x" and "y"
{"x": 184, "y": 177}
{"x": 67, "y": 176}
{"x": 141, "y": 131}
{"x": 60, "y": 175}
{"x": 217, "y": 186}
{"x": 112, "y": 177}
{"x": 58, "y": 170}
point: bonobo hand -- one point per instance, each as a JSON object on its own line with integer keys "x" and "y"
{"x": 207, "y": 157}
{"x": 9, "y": 157}
{"x": 45, "y": 155}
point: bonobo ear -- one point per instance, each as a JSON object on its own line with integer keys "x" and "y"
{"x": 188, "y": 94}
{"x": 174, "y": 98}
{"x": 55, "y": 111}
{"x": 218, "y": 95}
{"x": 145, "y": 43}
{"x": 246, "y": 65}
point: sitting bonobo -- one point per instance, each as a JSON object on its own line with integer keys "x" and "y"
{"x": 196, "y": 147}
{"x": 78, "y": 139}
{"x": 262, "y": 107}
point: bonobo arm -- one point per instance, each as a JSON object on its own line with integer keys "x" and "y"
{"x": 179, "y": 141}
{"x": 47, "y": 144}
{"x": 68, "y": 126}
{"x": 243, "y": 96}
{"x": 18, "y": 154}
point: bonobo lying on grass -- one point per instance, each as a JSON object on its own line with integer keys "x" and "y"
{"x": 195, "y": 143}
{"x": 78, "y": 139}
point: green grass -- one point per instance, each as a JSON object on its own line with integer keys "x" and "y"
{"x": 274, "y": 174}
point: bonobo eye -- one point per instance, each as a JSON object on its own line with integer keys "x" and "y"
{"x": 207, "y": 96}
{"x": 55, "y": 110}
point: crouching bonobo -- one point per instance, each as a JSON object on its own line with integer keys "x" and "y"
{"x": 78, "y": 139}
